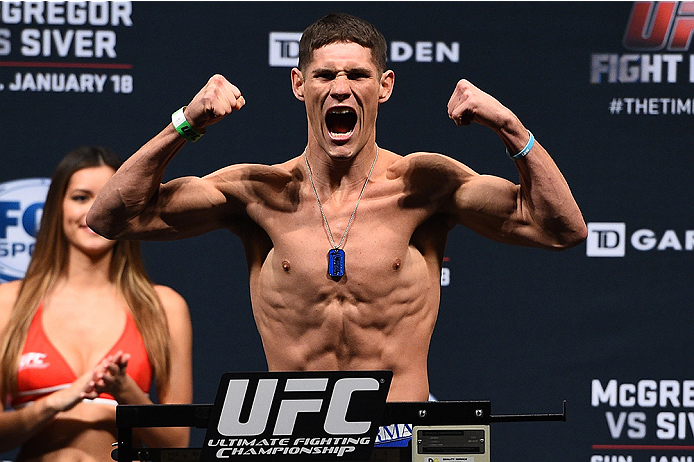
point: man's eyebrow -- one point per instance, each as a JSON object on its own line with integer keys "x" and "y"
{"x": 322, "y": 70}
{"x": 360, "y": 70}
{"x": 330, "y": 70}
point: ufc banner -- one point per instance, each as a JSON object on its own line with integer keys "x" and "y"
{"x": 297, "y": 415}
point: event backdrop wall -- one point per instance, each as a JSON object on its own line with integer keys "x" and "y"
{"x": 605, "y": 87}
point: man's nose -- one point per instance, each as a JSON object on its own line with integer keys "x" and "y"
{"x": 341, "y": 88}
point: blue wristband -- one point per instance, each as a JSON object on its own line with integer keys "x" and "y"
{"x": 524, "y": 152}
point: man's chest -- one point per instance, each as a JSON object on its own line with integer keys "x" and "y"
{"x": 372, "y": 236}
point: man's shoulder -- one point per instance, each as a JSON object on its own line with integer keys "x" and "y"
{"x": 422, "y": 157}
{"x": 424, "y": 161}
{"x": 254, "y": 172}
{"x": 426, "y": 155}
{"x": 291, "y": 165}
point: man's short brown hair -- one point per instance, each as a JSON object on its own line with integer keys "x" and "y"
{"x": 342, "y": 27}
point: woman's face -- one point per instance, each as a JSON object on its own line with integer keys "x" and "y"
{"x": 81, "y": 191}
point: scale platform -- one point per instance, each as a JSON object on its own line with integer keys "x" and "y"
{"x": 442, "y": 431}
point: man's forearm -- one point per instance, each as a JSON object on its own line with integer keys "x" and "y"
{"x": 547, "y": 195}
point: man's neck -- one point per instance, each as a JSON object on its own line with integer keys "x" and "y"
{"x": 341, "y": 172}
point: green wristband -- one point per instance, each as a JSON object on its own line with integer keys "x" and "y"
{"x": 180, "y": 123}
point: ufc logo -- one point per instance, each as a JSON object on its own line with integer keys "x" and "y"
{"x": 660, "y": 25}
{"x": 266, "y": 396}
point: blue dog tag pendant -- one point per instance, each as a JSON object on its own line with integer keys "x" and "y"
{"x": 336, "y": 263}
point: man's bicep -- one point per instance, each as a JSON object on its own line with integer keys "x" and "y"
{"x": 187, "y": 206}
{"x": 490, "y": 206}
{"x": 498, "y": 209}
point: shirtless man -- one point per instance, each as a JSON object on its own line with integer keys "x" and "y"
{"x": 389, "y": 214}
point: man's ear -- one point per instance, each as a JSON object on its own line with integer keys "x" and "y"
{"x": 298, "y": 84}
{"x": 387, "y": 83}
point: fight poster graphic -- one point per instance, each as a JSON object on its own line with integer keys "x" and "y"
{"x": 64, "y": 47}
{"x": 655, "y": 51}
{"x": 649, "y": 420}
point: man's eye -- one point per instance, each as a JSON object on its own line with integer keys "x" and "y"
{"x": 358, "y": 75}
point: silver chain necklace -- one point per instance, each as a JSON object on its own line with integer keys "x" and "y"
{"x": 336, "y": 255}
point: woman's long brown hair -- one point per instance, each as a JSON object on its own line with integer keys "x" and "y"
{"x": 50, "y": 260}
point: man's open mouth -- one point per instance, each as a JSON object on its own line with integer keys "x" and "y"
{"x": 340, "y": 120}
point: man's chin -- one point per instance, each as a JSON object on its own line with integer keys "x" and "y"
{"x": 341, "y": 155}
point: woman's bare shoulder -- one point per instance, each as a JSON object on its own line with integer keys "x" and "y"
{"x": 8, "y": 295}
{"x": 170, "y": 299}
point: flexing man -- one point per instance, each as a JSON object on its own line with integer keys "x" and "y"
{"x": 345, "y": 241}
